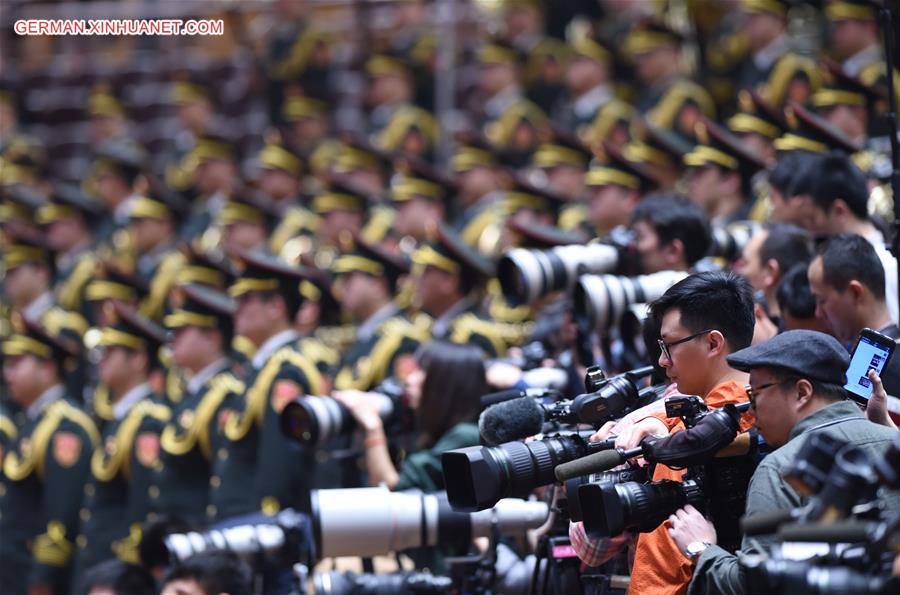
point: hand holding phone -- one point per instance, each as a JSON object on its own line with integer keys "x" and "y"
{"x": 872, "y": 352}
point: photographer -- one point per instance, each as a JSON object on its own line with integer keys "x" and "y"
{"x": 444, "y": 390}
{"x": 796, "y": 381}
{"x": 702, "y": 319}
{"x": 670, "y": 233}
{"x": 209, "y": 573}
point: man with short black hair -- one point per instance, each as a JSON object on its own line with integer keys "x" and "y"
{"x": 670, "y": 233}
{"x": 209, "y": 573}
{"x": 769, "y": 254}
{"x": 797, "y": 303}
{"x": 115, "y": 577}
{"x": 847, "y": 280}
{"x": 840, "y": 198}
{"x": 796, "y": 381}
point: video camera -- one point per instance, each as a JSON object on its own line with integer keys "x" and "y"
{"x": 854, "y": 539}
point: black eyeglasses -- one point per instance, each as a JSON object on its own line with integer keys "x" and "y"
{"x": 752, "y": 393}
{"x": 665, "y": 347}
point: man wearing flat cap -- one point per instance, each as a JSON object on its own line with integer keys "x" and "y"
{"x": 796, "y": 390}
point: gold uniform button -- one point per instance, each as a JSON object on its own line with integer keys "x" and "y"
{"x": 222, "y": 454}
{"x": 89, "y": 489}
{"x": 154, "y": 492}
{"x": 2, "y": 490}
{"x": 211, "y": 510}
{"x": 158, "y": 466}
{"x": 81, "y": 541}
{"x": 84, "y": 514}
{"x": 215, "y": 482}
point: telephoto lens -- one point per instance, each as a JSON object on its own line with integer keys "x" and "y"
{"x": 791, "y": 577}
{"x": 610, "y": 509}
{"x": 632, "y": 474}
{"x": 315, "y": 421}
{"x": 349, "y": 583}
{"x": 477, "y": 477}
{"x": 602, "y": 300}
{"x": 375, "y": 521}
{"x": 526, "y": 275}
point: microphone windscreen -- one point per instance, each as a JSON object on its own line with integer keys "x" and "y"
{"x": 501, "y": 397}
{"x": 513, "y": 420}
{"x": 593, "y": 463}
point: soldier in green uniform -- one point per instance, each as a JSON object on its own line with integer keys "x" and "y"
{"x": 589, "y": 86}
{"x": 449, "y": 279}
{"x": 257, "y": 468}
{"x": 118, "y": 493}
{"x": 342, "y": 212}
{"x": 422, "y": 197}
{"x": 68, "y": 220}
{"x": 212, "y": 168}
{"x": 111, "y": 179}
{"x": 44, "y": 467}
{"x": 366, "y": 282}
{"x": 202, "y": 329}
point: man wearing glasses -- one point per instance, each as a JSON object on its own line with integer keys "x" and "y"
{"x": 796, "y": 386}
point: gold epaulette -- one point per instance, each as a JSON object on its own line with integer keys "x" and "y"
{"x": 373, "y": 368}
{"x": 468, "y": 325}
{"x": 666, "y": 111}
{"x": 244, "y": 346}
{"x": 296, "y": 221}
{"x": 114, "y": 456}
{"x": 127, "y": 549}
{"x": 198, "y": 425}
{"x": 338, "y": 337}
{"x": 257, "y": 394}
{"x": 8, "y": 429}
{"x": 379, "y": 224}
{"x": 572, "y": 216}
{"x": 153, "y": 304}
{"x": 69, "y": 292}
{"x": 319, "y": 352}
{"x": 17, "y": 467}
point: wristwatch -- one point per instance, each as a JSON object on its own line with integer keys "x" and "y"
{"x": 695, "y": 548}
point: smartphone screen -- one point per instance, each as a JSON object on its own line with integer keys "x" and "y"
{"x": 869, "y": 355}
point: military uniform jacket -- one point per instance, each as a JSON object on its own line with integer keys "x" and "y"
{"x": 44, "y": 471}
{"x": 463, "y": 323}
{"x": 117, "y": 495}
{"x": 256, "y": 467}
{"x": 380, "y": 342}
{"x": 182, "y": 479}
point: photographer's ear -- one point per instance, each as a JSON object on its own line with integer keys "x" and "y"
{"x": 717, "y": 343}
{"x": 804, "y": 390}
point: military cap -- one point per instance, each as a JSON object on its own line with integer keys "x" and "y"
{"x": 248, "y": 206}
{"x": 851, "y": 10}
{"x": 113, "y": 282}
{"x": 158, "y": 205}
{"x": 449, "y": 253}
{"x": 301, "y": 106}
{"x": 615, "y": 168}
{"x": 500, "y": 132}
{"x": 472, "y": 151}
{"x": 342, "y": 194}
{"x": 525, "y": 195}
{"x": 22, "y": 156}
{"x": 317, "y": 287}
{"x": 723, "y": 149}
{"x": 842, "y": 89}
{"x": 562, "y": 149}
{"x": 498, "y": 54}
{"x": 275, "y": 156}
{"x": 203, "y": 307}
{"x": 777, "y": 8}
{"x": 102, "y": 102}
{"x": 68, "y": 200}
{"x": 417, "y": 179}
{"x": 204, "y": 268}
{"x": 118, "y": 157}
{"x": 757, "y": 116}
{"x": 542, "y": 237}
{"x": 813, "y": 134}
{"x": 212, "y": 147}
{"x": 26, "y": 248}
{"x": 30, "y": 338}
{"x": 131, "y": 330}
{"x": 614, "y": 113}
{"x": 370, "y": 259}
{"x": 20, "y": 202}
{"x": 808, "y": 354}
{"x": 408, "y": 119}
{"x": 648, "y": 35}
{"x": 592, "y": 49}
{"x": 265, "y": 273}
{"x": 357, "y": 153}
{"x": 386, "y": 65}
{"x": 657, "y": 146}
{"x": 187, "y": 89}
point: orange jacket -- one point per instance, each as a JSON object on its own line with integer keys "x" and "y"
{"x": 660, "y": 568}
